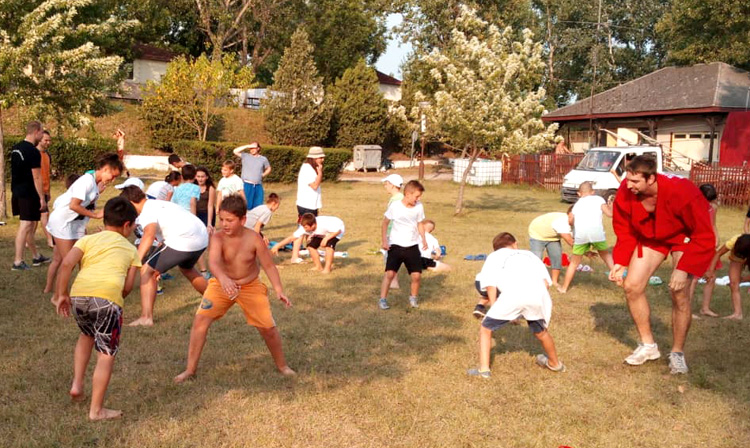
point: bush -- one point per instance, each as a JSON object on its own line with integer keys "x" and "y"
{"x": 285, "y": 160}
{"x": 74, "y": 155}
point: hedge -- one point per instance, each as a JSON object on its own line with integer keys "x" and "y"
{"x": 285, "y": 160}
{"x": 69, "y": 156}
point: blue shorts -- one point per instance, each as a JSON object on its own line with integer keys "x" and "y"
{"x": 536, "y": 326}
{"x": 253, "y": 194}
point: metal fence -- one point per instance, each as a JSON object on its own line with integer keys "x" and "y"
{"x": 731, "y": 182}
{"x": 539, "y": 170}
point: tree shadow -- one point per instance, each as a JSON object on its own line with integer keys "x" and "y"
{"x": 502, "y": 203}
{"x": 515, "y": 338}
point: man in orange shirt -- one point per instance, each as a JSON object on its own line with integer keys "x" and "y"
{"x": 43, "y": 146}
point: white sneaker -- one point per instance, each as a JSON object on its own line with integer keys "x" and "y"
{"x": 642, "y": 354}
{"x": 413, "y": 302}
{"x": 677, "y": 364}
{"x": 298, "y": 261}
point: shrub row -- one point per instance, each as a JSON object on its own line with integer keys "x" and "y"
{"x": 72, "y": 155}
{"x": 285, "y": 160}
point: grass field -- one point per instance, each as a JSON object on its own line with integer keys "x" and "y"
{"x": 369, "y": 378}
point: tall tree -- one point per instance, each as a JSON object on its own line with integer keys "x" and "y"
{"x": 222, "y": 21}
{"x": 708, "y": 31}
{"x": 488, "y": 95}
{"x": 297, "y": 113}
{"x": 49, "y": 66}
{"x": 360, "y": 111}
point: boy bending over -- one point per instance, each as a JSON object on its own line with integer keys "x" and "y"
{"x": 431, "y": 257}
{"x": 324, "y": 231}
{"x": 108, "y": 266}
{"x": 524, "y": 281}
{"x": 232, "y": 259}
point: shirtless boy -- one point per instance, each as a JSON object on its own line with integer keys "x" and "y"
{"x": 232, "y": 260}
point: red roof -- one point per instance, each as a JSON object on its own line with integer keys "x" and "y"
{"x": 386, "y": 79}
{"x": 152, "y": 53}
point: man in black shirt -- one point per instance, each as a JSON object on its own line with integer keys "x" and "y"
{"x": 28, "y": 200}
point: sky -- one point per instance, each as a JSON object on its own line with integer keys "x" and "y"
{"x": 390, "y": 62}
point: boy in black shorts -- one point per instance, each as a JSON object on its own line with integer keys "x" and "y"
{"x": 324, "y": 231}
{"x": 108, "y": 266}
{"x": 404, "y": 241}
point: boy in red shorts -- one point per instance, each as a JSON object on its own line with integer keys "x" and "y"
{"x": 232, "y": 260}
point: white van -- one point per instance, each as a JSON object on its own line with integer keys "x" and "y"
{"x": 597, "y": 165}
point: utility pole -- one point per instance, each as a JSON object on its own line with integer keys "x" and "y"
{"x": 595, "y": 62}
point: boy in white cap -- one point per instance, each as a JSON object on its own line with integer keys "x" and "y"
{"x": 131, "y": 181}
{"x": 392, "y": 184}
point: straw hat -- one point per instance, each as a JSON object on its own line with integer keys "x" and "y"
{"x": 315, "y": 152}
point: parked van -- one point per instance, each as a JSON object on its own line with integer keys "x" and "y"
{"x": 598, "y": 166}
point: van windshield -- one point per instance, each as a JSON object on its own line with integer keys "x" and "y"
{"x": 599, "y": 161}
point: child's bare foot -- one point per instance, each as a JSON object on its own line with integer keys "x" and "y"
{"x": 105, "y": 414}
{"x": 709, "y": 313}
{"x": 287, "y": 371}
{"x": 141, "y": 321}
{"x": 734, "y": 317}
{"x": 316, "y": 269}
{"x": 561, "y": 290}
{"x": 325, "y": 271}
{"x": 76, "y": 394}
{"x": 184, "y": 376}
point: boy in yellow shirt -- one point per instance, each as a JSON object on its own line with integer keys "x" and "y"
{"x": 108, "y": 266}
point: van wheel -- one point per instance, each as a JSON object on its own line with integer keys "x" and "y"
{"x": 610, "y": 196}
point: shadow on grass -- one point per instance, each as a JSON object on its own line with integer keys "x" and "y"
{"x": 515, "y": 338}
{"x": 615, "y": 320}
{"x": 501, "y": 202}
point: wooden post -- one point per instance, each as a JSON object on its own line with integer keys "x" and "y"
{"x": 711, "y": 120}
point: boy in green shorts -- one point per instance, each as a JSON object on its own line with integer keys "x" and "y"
{"x": 589, "y": 231}
{"x": 108, "y": 266}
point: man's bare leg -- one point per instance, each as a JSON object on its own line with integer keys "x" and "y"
{"x": 315, "y": 257}
{"x": 329, "y": 260}
{"x": 22, "y": 235}
{"x": 99, "y": 383}
{"x": 198, "y": 334}
{"x": 81, "y": 357}
{"x": 639, "y": 271}
{"x": 681, "y": 313}
{"x": 735, "y": 274}
{"x": 548, "y": 344}
{"x": 575, "y": 260}
{"x": 148, "y": 297}
{"x": 30, "y": 243}
{"x": 485, "y": 347}
{"x": 272, "y": 337}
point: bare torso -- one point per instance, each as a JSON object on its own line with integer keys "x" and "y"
{"x": 238, "y": 255}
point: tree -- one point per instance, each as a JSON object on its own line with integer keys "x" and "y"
{"x": 222, "y": 21}
{"x": 488, "y": 95}
{"x": 191, "y": 91}
{"x": 297, "y": 112}
{"x": 707, "y": 31}
{"x": 49, "y": 65}
{"x": 360, "y": 111}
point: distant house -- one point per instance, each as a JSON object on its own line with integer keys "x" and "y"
{"x": 697, "y": 112}
{"x": 390, "y": 87}
{"x": 150, "y": 64}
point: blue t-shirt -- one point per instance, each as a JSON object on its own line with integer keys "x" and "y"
{"x": 184, "y": 192}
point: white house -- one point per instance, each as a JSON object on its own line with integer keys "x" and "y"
{"x": 150, "y": 64}
{"x": 390, "y": 87}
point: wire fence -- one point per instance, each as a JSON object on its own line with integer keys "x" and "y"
{"x": 732, "y": 183}
{"x": 539, "y": 170}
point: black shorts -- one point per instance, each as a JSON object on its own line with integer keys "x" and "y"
{"x": 302, "y": 210}
{"x": 26, "y": 208}
{"x": 409, "y": 256}
{"x": 203, "y": 216}
{"x": 536, "y": 326}
{"x": 428, "y": 263}
{"x": 166, "y": 258}
{"x": 315, "y": 242}
{"x": 481, "y": 292}
{"x": 99, "y": 319}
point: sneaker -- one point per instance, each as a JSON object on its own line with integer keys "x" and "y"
{"x": 642, "y": 354}
{"x": 543, "y": 361}
{"x": 413, "y": 302}
{"x": 383, "y": 304}
{"x": 479, "y": 311}
{"x": 159, "y": 290}
{"x": 40, "y": 260}
{"x": 677, "y": 364}
{"x": 298, "y": 261}
{"x": 480, "y": 373}
{"x": 22, "y": 266}
{"x": 167, "y": 276}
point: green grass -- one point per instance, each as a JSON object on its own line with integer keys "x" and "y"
{"x": 369, "y": 378}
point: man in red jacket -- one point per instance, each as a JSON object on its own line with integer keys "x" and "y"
{"x": 655, "y": 215}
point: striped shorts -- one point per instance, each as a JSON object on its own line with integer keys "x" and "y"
{"x": 100, "y": 319}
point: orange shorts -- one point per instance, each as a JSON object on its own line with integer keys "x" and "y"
{"x": 252, "y": 298}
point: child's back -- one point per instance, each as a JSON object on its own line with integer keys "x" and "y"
{"x": 588, "y": 219}
{"x": 184, "y": 193}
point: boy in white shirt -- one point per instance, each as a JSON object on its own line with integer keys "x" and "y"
{"x": 403, "y": 243}
{"x": 524, "y": 281}
{"x": 324, "y": 231}
{"x": 230, "y": 183}
{"x": 258, "y": 217}
{"x": 164, "y": 189}
{"x": 432, "y": 255}
{"x": 588, "y": 231}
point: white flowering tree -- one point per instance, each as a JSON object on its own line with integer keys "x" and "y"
{"x": 489, "y": 95}
{"x": 50, "y": 68}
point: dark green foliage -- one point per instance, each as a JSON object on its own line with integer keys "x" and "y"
{"x": 69, "y": 155}
{"x": 285, "y": 160}
{"x": 165, "y": 129}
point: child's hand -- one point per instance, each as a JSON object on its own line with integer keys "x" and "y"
{"x": 274, "y": 249}
{"x": 710, "y": 274}
{"x": 285, "y": 300}
{"x": 63, "y": 306}
{"x": 386, "y": 246}
{"x": 98, "y": 214}
{"x": 210, "y": 229}
{"x": 229, "y": 286}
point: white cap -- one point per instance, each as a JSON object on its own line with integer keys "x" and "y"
{"x": 394, "y": 179}
{"x": 131, "y": 181}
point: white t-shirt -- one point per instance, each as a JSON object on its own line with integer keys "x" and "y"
{"x": 520, "y": 277}
{"x": 230, "y": 185}
{"x": 159, "y": 190}
{"x": 306, "y": 196}
{"x": 324, "y": 226}
{"x": 588, "y": 220}
{"x": 433, "y": 246}
{"x": 181, "y": 229}
{"x": 404, "y": 231}
{"x": 260, "y": 213}
{"x": 85, "y": 189}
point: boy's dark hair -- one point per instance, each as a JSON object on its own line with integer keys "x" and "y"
{"x": 173, "y": 176}
{"x": 413, "y": 185}
{"x": 502, "y": 240}
{"x": 273, "y": 198}
{"x": 118, "y": 211}
{"x": 133, "y": 194}
{"x": 234, "y": 204}
{"x": 70, "y": 180}
{"x": 645, "y": 165}
{"x": 111, "y": 160}
{"x": 188, "y": 172}
{"x": 46, "y": 132}
{"x": 307, "y": 219}
{"x": 742, "y": 247}
{"x": 173, "y": 158}
{"x": 229, "y": 164}
{"x": 709, "y": 192}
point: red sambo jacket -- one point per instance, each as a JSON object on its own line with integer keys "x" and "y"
{"x": 681, "y": 221}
